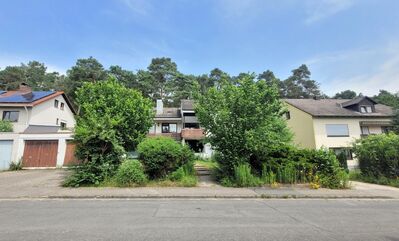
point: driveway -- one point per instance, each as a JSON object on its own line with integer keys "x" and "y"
{"x": 47, "y": 184}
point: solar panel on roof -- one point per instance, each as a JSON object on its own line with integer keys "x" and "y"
{"x": 26, "y": 98}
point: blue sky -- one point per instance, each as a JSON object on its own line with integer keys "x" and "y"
{"x": 346, "y": 43}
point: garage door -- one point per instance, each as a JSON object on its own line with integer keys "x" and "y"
{"x": 70, "y": 158}
{"x": 40, "y": 154}
{"x": 5, "y": 154}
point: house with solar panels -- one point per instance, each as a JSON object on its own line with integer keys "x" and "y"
{"x": 43, "y": 123}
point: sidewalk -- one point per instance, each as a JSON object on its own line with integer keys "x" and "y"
{"x": 46, "y": 184}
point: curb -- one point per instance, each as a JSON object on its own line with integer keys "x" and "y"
{"x": 199, "y": 197}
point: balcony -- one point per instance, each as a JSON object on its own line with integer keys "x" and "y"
{"x": 192, "y": 134}
{"x": 174, "y": 135}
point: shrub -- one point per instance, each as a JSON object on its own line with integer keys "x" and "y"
{"x": 15, "y": 166}
{"x": 112, "y": 119}
{"x": 130, "y": 172}
{"x": 243, "y": 176}
{"x": 162, "y": 155}
{"x": 343, "y": 161}
{"x": 378, "y": 155}
{"x": 5, "y": 126}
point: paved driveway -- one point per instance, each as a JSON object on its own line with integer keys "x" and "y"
{"x": 47, "y": 184}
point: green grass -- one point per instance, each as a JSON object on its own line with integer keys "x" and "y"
{"x": 357, "y": 176}
{"x": 210, "y": 164}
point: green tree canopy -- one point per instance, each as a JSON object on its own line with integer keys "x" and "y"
{"x": 34, "y": 74}
{"x": 346, "y": 94}
{"x": 113, "y": 119}
{"x": 299, "y": 84}
{"x": 388, "y": 98}
{"x": 243, "y": 121}
{"x": 85, "y": 70}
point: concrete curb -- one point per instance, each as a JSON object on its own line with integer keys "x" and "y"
{"x": 198, "y": 197}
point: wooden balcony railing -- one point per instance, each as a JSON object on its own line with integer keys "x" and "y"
{"x": 192, "y": 134}
{"x": 175, "y": 136}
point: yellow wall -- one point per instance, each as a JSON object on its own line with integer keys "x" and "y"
{"x": 301, "y": 124}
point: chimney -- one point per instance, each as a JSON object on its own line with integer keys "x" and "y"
{"x": 24, "y": 88}
{"x": 159, "y": 107}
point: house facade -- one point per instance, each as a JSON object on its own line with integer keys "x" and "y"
{"x": 336, "y": 123}
{"x": 182, "y": 125}
{"x": 43, "y": 123}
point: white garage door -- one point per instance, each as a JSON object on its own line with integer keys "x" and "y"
{"x": 5, "y": 154}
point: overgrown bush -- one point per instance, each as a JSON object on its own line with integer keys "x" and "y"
{"x": 378, "y": 155}
{"x": 5, "y": 126}
{"x": 163, "y": 155}
{"x": 112, "y": 120}
{"x": 130, "y": 173}
{"x": 343, "y": 160}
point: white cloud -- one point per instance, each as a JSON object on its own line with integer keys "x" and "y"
{"x": 362, "y": 70}
{"x": 317, "y": 10}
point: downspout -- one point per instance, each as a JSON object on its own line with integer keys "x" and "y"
{"x": 27, "y": 116}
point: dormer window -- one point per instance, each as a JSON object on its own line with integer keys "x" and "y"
{"x": 366, "y": 109}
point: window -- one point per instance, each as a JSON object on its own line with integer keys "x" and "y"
{"x": 365, "y": 130}
{"x": 339, "y": 150}
{"x": 57, "y": 121}
{"x": 56, "y": 103}
{"x": 165, "y": 128}
{"x": 191, "y": 125}
{"x": 366, "y": 109}
{"x": 11, "y": 116}
{"x": 62, "y": 106}
{"x": 287, "y": 115}
{"x": 337, "y": 130}
{"x": 173, "y": 128}
{"x": 63, "y": 125}
{"x": 169, "y": 128}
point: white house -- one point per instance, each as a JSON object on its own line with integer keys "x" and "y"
{"x": 43, "y": 123}
{"x": 182, "y": 125}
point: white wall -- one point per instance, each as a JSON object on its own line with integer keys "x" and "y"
{"x": 19, "y": 143}
{"x": 21, "y": 125}
{"x": 46, "y": 114}
{"x": 354, "y": 131}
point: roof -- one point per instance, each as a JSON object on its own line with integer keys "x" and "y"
{"x": 333, "y": 108}
{"x": 31, "y": 98}
{"x": 187, "y": 104}
{"x": 169, "y": 113}
{"x": 356, "y": 100}
{"x": 21, "y": 97}
{"x": 38, "y": 129}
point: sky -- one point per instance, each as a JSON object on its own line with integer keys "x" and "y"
{"x": 347, "y": 44}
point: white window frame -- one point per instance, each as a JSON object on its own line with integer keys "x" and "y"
{"x": 329, "y": 126}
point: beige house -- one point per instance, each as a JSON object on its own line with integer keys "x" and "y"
{"x": 336, "y": 123}
{"x": 181, "y": 124}
{"x": 42, "y": 122}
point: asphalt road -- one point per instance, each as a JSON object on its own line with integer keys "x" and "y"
{"x": 219, "y": 219}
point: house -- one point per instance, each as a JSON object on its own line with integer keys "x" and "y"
{"x": 43, "y": 123}
{"x": 182, "y": 125}
{"x": 336, "y": 123}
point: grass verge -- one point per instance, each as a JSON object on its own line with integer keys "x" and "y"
{"x": 358, "y": 176}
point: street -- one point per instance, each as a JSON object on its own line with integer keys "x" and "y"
{"x": 190, "y": 219}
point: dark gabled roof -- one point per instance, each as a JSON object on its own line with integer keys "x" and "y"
{"x": 357, "y": 100}
{"x": 169, "y": 113}
{"x": 39, "y": 129}
{"x": 20, "y": 97}
{"x": 333, "y": 108}
{"x": 187, "y": 105}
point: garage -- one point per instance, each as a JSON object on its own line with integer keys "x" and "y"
{"x": 40, "y": 153}
{"x": 70, "y": 158}
{"x": 5, "y": 154}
